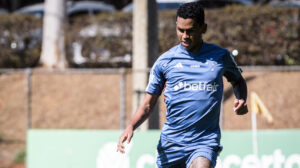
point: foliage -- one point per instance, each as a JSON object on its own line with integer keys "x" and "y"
{"x": 262, "y": 35}
{"x": 20, "y": 40}
{"x": 20, "y": 157}
{"x": 105, "y": 39}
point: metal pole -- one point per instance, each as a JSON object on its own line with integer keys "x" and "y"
{"x": 145, "y": 50}
{"x": 123, "y": 98}
{"x": 221, "y": 118}
{"x": 28, "y": 76}
{"x": 254, "y": 134}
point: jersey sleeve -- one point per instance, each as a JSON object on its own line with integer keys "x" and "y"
{"x": 156, "y": 79}
{"x": 231, "y": 71}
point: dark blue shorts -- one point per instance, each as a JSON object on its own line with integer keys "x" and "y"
{"x": 174, "y": 155}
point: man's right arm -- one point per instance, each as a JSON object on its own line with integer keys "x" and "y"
{"x": 138, "y": 118}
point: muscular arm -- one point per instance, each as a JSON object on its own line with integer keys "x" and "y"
{"x": 138, "y": 118}
{"x": 240, "y": 92}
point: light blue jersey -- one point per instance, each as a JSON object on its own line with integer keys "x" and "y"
{"x": 193, "y": 87}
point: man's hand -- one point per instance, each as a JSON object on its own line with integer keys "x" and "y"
{"x": 240, "y": 107}
{"x": 127, "y": 135}
{"x": 138, "y": 118}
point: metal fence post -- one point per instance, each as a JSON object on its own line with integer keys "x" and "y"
{"x": 221, "y": 119}
{"x": 28, "y": 77}
{"x": 123, "y": 98}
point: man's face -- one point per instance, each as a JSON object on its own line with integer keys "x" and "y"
{"x": 189, "y": 33}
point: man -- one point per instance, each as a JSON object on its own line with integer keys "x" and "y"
{"x": 190, "y": 74}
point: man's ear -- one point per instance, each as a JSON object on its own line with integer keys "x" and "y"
{"x": 204, "y": 28}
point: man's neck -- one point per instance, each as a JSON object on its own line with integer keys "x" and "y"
{"x": 196, "y": 48}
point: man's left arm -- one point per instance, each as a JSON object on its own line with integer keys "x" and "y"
{"x": 240, "y": 92}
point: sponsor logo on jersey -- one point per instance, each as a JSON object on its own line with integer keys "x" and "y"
{"x": 195, "y": 66}
{"x": 200, "y": 86}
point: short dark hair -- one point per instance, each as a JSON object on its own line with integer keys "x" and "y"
{"x": 193, "y": 10}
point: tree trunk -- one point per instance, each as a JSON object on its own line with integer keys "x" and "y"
{"x": 53, "y": 50}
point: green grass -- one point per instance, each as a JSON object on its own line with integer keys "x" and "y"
{"x": 20, "y": 157}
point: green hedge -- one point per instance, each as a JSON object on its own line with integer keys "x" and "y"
{"x": 20, "y": 40}
{"x": 263, "y": 36}
{"x": 112, "y": 41}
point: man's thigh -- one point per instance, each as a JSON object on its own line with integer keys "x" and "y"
{"x": 201, "y": 162}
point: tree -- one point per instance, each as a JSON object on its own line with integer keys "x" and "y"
{"x": 53, "y": 50}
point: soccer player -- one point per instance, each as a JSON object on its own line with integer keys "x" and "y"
{"x": 190, "y": 74}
